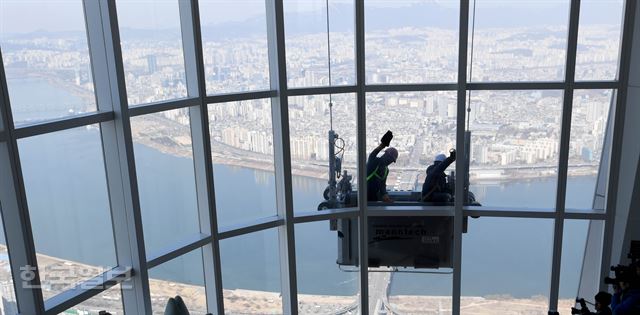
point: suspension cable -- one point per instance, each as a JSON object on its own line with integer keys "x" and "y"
{"x": 473, "y": 35}
{"x": 329, "y": 67}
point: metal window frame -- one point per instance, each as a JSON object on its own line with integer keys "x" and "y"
{"x": 147, "y": 109}
{"x": 114, "y": 113}
{"x": 203, "y": 163}
{"x": 282, "y": 154}
{"x": 565, "y": 130}
{"x": 178, "y": 249}
{"x": 15, "y": 211}
{"x": 63, "y": 124}
{"x": 86, "y": 290}
{"x": 361, "y": 116}
{"x": 251, "y": 227}
{"x": 111, "y": 95}
{"x": 617, "y": 137}
{"x": 463, "y": 41}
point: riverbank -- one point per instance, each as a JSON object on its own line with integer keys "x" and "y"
{"x": 240, "y": 301}
{"x": 52, "y": 78}
{"x": 152, "y": 132}
{"x": 441, "y": 305}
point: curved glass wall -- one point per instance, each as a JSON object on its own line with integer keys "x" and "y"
{"x": 208, "y": 186}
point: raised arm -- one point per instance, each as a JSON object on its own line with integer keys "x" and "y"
{"x": 442, "y": 166}
{"x": 375, "y": 151}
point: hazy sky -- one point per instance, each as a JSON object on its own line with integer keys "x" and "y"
{"x": 17, "y": 16}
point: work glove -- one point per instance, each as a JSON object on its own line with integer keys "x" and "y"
{"x": 386, "y": 139}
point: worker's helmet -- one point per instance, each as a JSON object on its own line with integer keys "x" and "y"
{"x": 440, "y": 157}
{"x": 392, "y": 152}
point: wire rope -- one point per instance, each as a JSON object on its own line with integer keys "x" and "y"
{"x": 329, "y": 67}
{"x": 473, "y": 35}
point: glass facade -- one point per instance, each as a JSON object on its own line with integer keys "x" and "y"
{"x": 67, "y": 197}
{"x": 589, "y": 120}
{"x": 182, "y": 276}
{"x": 6, "y": 280}
{"x": 515, "y": 135}
{"x": 424, "y": 125}
{"x": 598, "y": 40}
{"x": 573, "y": 250}
{"x": 251, "y": 273}
{"x": 46, "y": 56}
{"x": 310, "y": 119}
{"x": 152, "y": 52}
{"x": 427, "y": 33}
{"x": 516, "y": 280}
{"x": 110, "y": 299}
{"x": 322, "y": 288}
{"x": 518, "y": 42}
{"x": 242, "y": 150}
{"x": 235, "y": 50}
{"x": 311, "y": 51}
{"x": 213, "y": 195}
{"x": 166, "y": 179}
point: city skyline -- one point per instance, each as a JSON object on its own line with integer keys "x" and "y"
{"x": 153, "y": 77}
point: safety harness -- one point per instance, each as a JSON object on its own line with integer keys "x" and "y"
{"x": 375, "y": 174}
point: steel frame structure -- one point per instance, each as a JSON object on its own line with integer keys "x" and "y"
{"x": 114, "y": 115}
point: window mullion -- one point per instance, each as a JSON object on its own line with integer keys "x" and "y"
{"x": 15, "y": 214}
{"x": 111, "y": 95}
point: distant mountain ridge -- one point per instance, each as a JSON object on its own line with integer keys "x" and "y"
{"x": 424, "y": 14}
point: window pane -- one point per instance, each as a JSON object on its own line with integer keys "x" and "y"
{"x": 309, "y": 124}
{"x": 574, "y": 241}
{"x": 417, "y": 291}
{"x": 506, "y": 266}
{"x": 599, "y": 39}
{"x": 423, "y": 125}
{"x": 109, "y": 300}
{"x": 7, "y": 290}
{"x": 251, "y": 273}
{"x": 166, "y": 179}
{"x": 588, "y": 127}
{"x": 306, "y": 42}
{"x": 589, "y": 237}
{"x": 44, "y": 47}
{"x": 518, "y": 40}
{"x": 242, "y": 148}
{"x": 397, "y": 242}
{"x": 152, "y": 53}
{"x": 234, "y": 45}
{"x": 183, "y": 276}
{"x": 411, "y": 41}
{"x": 2, "y": 128}
{"x": 66, "y": 189}
{"x": 515, "y": 138}
{"x": 324, "y": 287}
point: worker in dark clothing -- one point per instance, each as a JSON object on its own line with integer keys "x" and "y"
{"x": 435, "y": 187}
{"x": 626, "y": 299}
{"x": 378, "y": 169}
{"x": 603, "y": 299}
